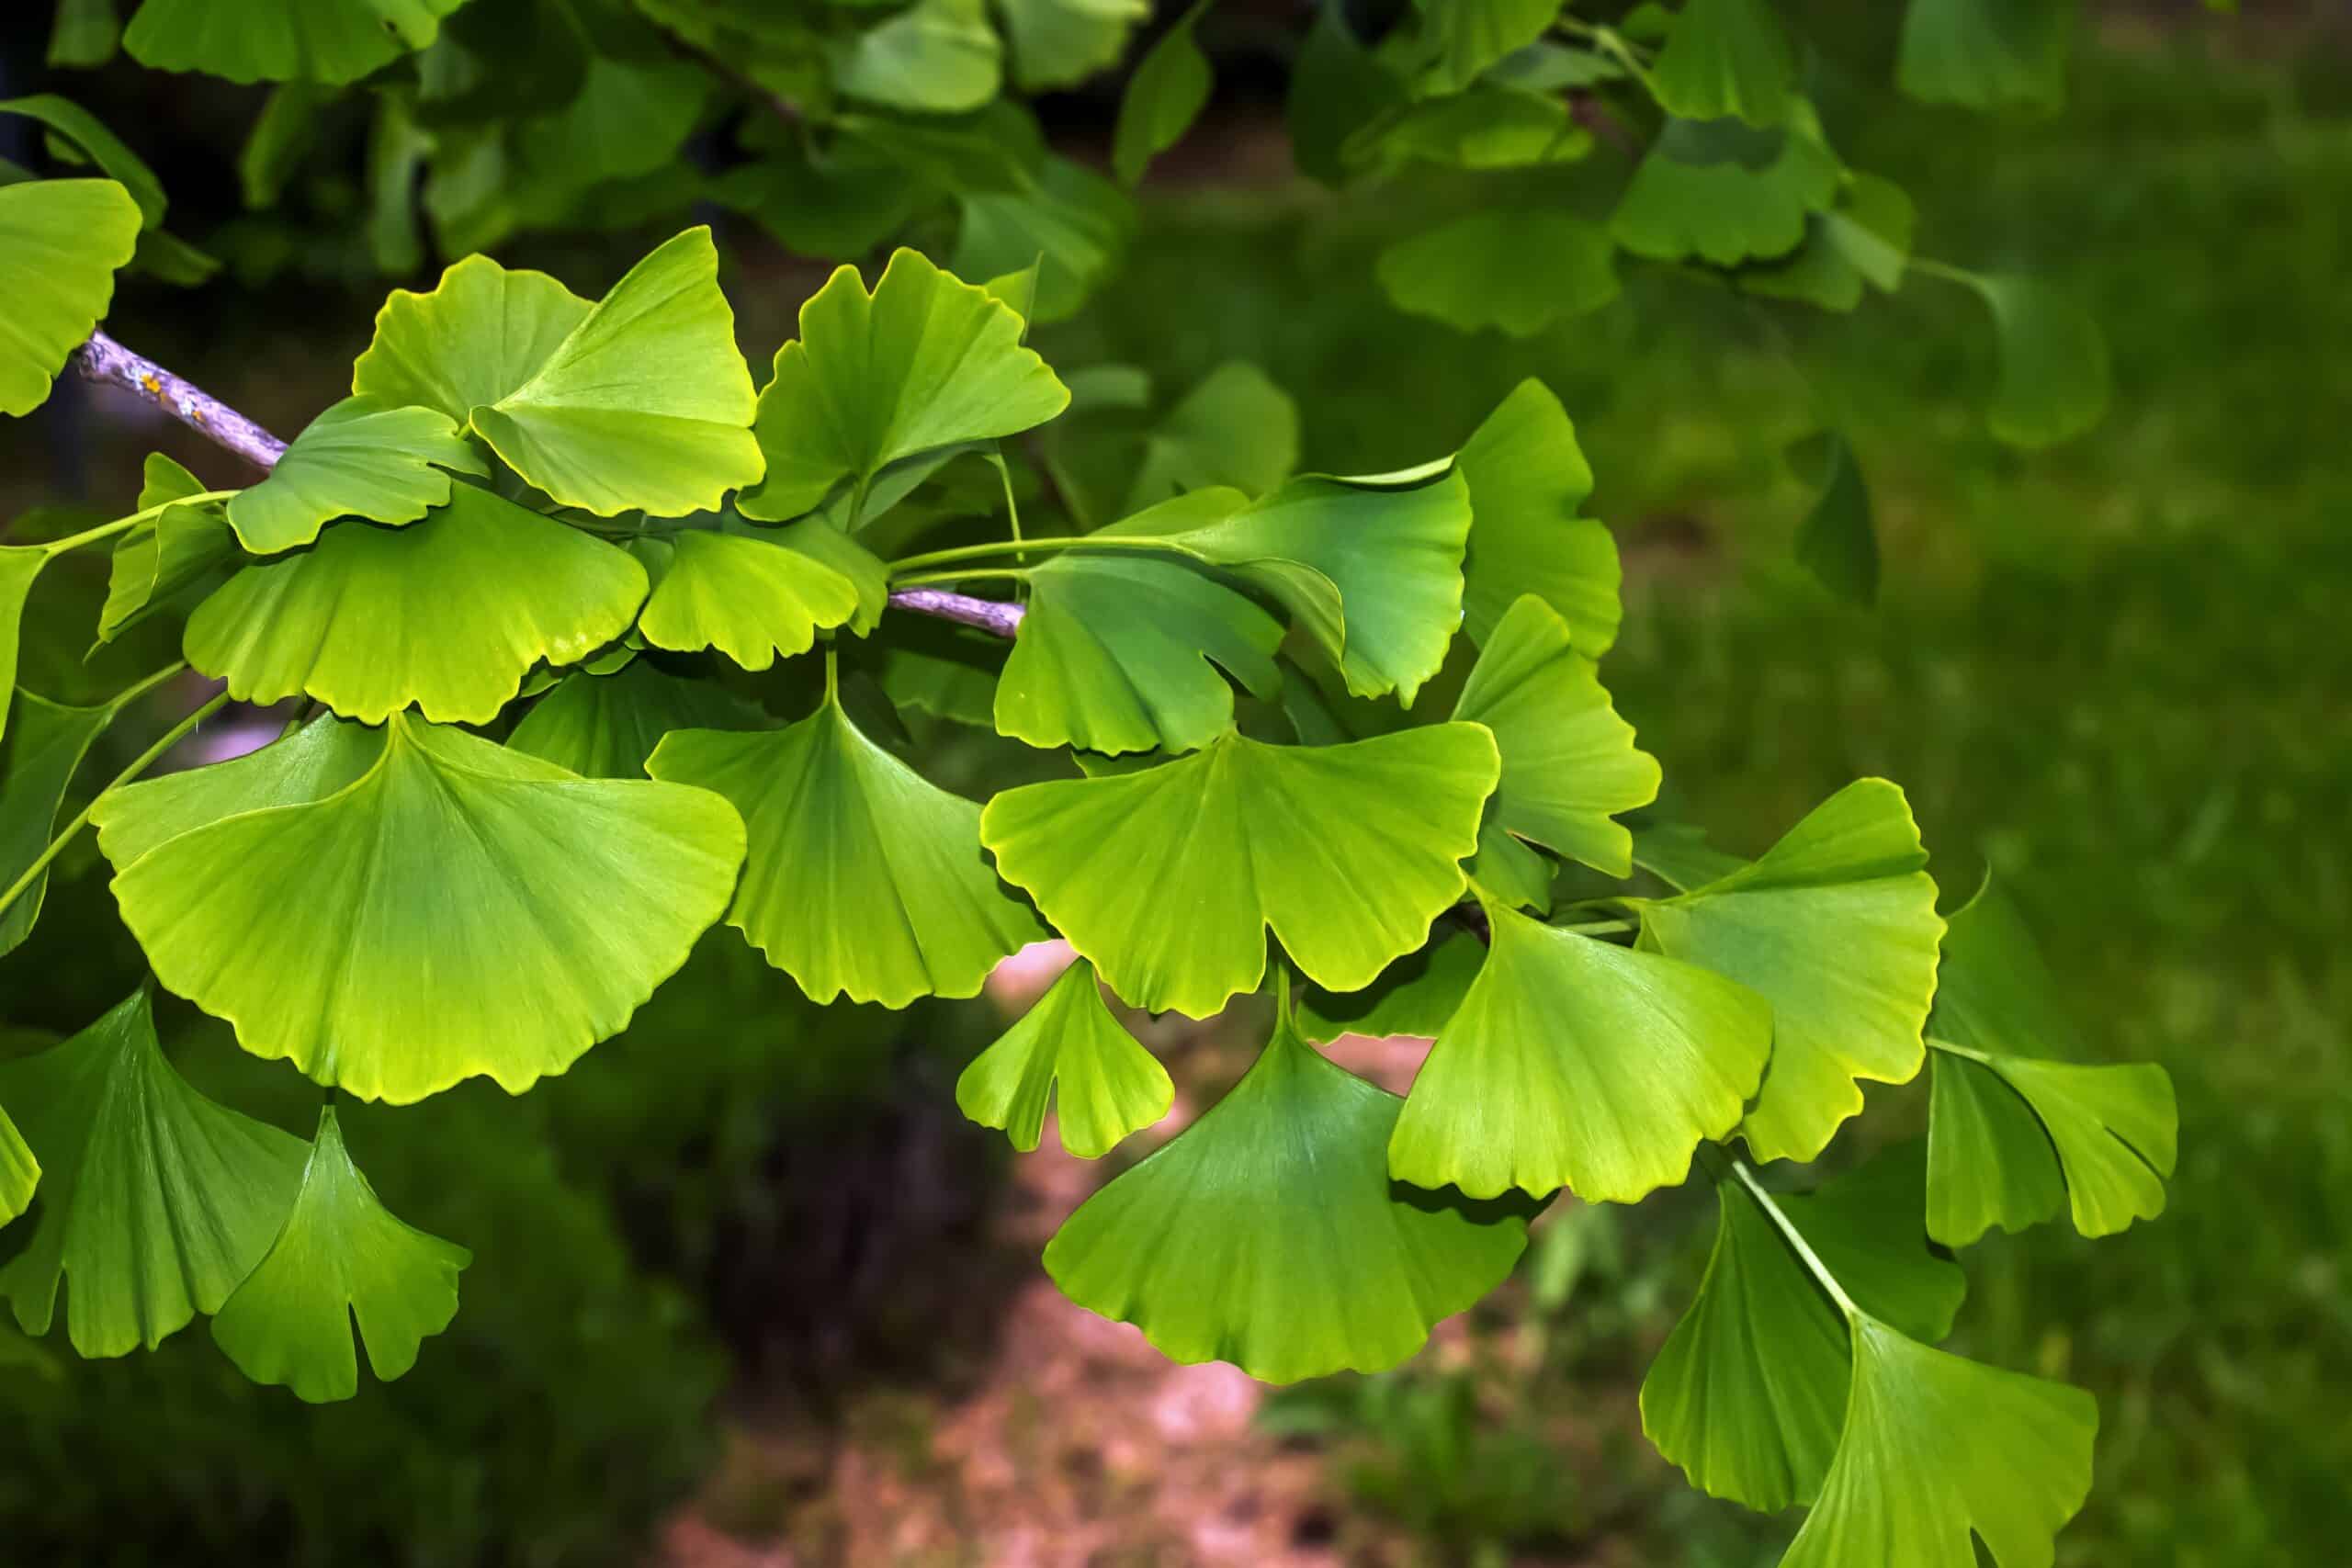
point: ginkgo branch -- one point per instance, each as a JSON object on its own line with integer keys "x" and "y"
{"x": 103, "y": 360}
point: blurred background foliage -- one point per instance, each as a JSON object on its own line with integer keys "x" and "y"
{"x": 2117, "y": 672}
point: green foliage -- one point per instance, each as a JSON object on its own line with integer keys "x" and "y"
{"x": 1069, "y": 1050}
{"x": 60, "y": 244}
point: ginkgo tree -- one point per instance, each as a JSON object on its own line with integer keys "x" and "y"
{"x": 586, "y": 642}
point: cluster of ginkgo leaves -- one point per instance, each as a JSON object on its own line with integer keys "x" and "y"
{"x": 521, "y": 582}
{"x": 1568, "y": 134}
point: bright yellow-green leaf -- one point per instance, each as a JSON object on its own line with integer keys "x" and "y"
{"x": 1527, "y": 477}
{"x": 1418, "y": 995}
{"x": 179, "y": 551}
{"x": 360, "y": 459}
{"x": 448, "y": 614}
{"x": 646, "y": 404}
{"x": 1725, "y": 57}
{"x": 750, "y": 596}
{"x": 20, "y": 1171}
{"x": 60, "y": 244}
{"x": 545, "y": 907}
{"x": 864, "y": 879}
{"x": 1268, "y": 1232}
{"x": 1569, "y": 762}
{"x": 482, "y": 332}
{"x": 922, "y": 363}
{"x": 1937, "y": 1454}
{"x": 340, "y": 1256}
{"x": 1836, "y": 926}
{"x": 281, "y": 40}
{"x": 1573, "y": 1063}
{"x": 1169, "y": 877}
{"x": 605, "y": 725}
{"x": 1069, "y": 1049}
{"x": 1516, "y": 268}
{"x": 154, "y": 1200}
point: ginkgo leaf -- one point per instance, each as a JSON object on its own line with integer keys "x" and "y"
{"x": 1569, "y": 762}
{"x": 1418, "y": 995}
{"x": 1346, "y": 852}
{"x": 1837, "y": 541}
{"x": 1985, "y": 54}
{"x": 154, "y": 1200}
{"x": 1169, "y": 90}
{"x": 1516, "y": 269}
{"x": 60, "y": 244}
{"x": 1748, "y": 1394}
{"x": 1121, "y": 653}
{"x": 935, "y": 57}
{"x": 482, "y": 332}
{"x": 646, "y": 404}
{"x": 20, "y": 1171}
{"x": 300, "y": 766}
{"x": 545, "y": 907}
{"x": 1725, "y": 193}
{"x": 864, "y": 879}
{"x": 1527, "y": 477}
{"x": 1864, "y": 239}
{"x": 1461, "y": 40}
{"x": 1068, "y": 1048}
{"x": 1075, "y": 221}
{"x": 157, "y": 563}
{"x": 1491, "y": 126}
{"x": 1937, "y": 1454}
{"x": 1836, "y": 926}
{"x": 448, "y": 614}
{"x": 44, "y": 745}
{"x": 1268, "y": 1233}
{"x": 923, "y": 362}
{"x": 1725, "y": 57}
{"x": 605, "y": 725}
{"x": 2013, "y": 1134}
{"x": 360, "y": 459}
{"x": 1573, "y": 1063}
{"x": 750, "y": 597}
{"x": 1235, "y": 427}
{"x": 2054, "y": 379}
{"x": 1677, "y": 854}
{"x": 282, "y": 40}
{"x": 1058, "y": 43}
{"x": 340, "y": 1256}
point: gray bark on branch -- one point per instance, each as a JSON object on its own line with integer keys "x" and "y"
{"x": 109, "y": 364}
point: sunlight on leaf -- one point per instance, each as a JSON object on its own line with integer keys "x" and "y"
{"x": 281, "y": 40}
{"x": 360, "y": 459}
{"x": 482, "y": 332}
{"x": 1068, "y": 1048}
{"x": 751, "y": 597}
{"x": 1527, "y": 477}
{"x": 60, "y": 244}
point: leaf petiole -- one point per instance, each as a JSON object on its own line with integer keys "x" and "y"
{"x": 1745, "y": 1175}
{"x": 123, "y": 525}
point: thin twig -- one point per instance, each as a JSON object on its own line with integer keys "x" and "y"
{"x": 108, "y": 362}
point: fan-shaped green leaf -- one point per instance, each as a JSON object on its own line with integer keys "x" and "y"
{"x": 302, "y": 766}
{"x": 1720, "y": 191}
{"x": 1677, "y": 854}
{"x": 360, "y": 459}
{"x": 751, "y": 597}
{"x": 482, "y": 332}
{"x": 646, "y": 404}
{"x": 1165, "y": 95}
{"x": 154, "y": 1200}
{"x": 341, "y": 1255}
{"x": 1346, "y": 852}
{"x": 60, "y": 244}
{"x": 1235, "y": 427}
{"x": 1488, "y": 127}
{"x": 1078, "y": 224}
{"x": 38, "y": 760}
{"x": 545, "y": 907}
{"x": 449, "y": 613}
{"x": 1937, "y": 1453}
{"x": 2013, "y": 1134}
{"x": 1985, "y": 53}
{"x": 1836, "y": 926}
{"x": 20, "y": 1171}
{"x": 935, "y": 57}
{"x": 177, "y": 552}
{"x": 1576, "y": 1064}
{"x": 1415, "y": 996}
{"x": 1461, "y": 40}
{"x": 1070, "y": 1049}
{"x": 1837, "y": 542}
{"x": 1058, "y": 43}
{"x": 1865, "y": 238}
{"x": 604, "y": 726}
{"x": 1569, "y": 762}
{"x": 864, "y": 879}
{"x": 1518, "y": 270}
{"x": 2054, "y": 380}
{"x": 19, "y": 564}
{"x": 1527, "y": 477}
{"x": 1748, "y": 1392}
{"x": 1725, "y": 57}
{"x": 282, "y": 40}
{"x": 1268, "y": 1233}
{"x": 1115, "y": 653}
{"x": 923, "y": 362}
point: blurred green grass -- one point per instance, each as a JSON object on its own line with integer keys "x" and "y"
{"x": 2119, "y": 671}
